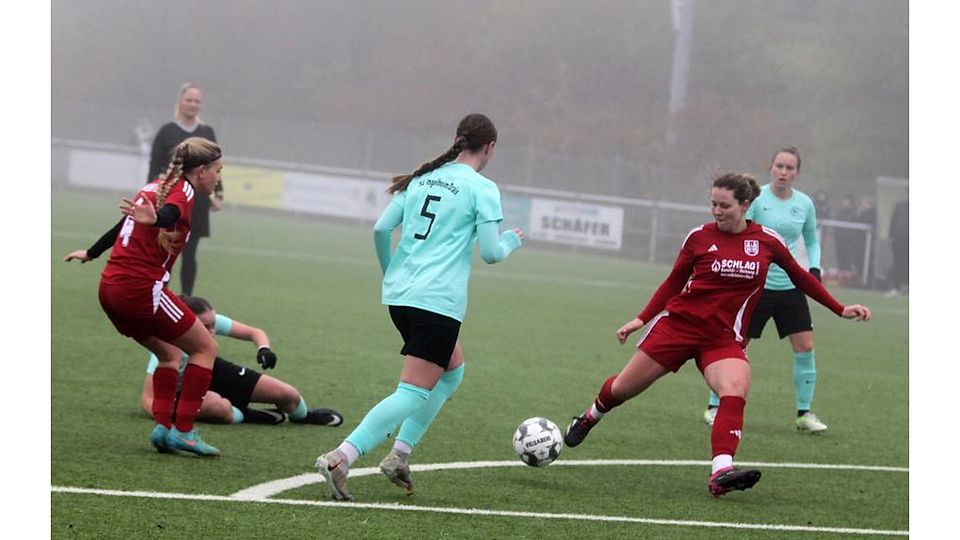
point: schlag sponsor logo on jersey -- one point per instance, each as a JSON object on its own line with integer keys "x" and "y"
{"x": 736, "y": 268}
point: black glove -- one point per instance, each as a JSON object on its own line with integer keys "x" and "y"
{"x": 266, "y": 358}
{"x": 816, "y": 274}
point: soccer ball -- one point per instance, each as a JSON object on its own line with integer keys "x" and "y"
{"x": 538, "y": 442}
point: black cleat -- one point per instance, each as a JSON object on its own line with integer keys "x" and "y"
{"x": 577, "y": 430}
{"x": 730, "y": 479}
{"x": 321, "y": 417}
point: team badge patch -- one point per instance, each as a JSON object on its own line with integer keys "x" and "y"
{"x": 751, "y": 247}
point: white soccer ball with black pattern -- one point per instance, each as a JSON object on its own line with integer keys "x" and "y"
{"x": 538, "y": 442}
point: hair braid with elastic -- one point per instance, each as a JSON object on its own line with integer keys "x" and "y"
{"x": 401, "y": 182}
{"x": 474, "y": 132}
{"x": 174, "y": 171}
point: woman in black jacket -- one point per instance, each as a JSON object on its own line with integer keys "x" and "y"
{"x": 186, "y": 123}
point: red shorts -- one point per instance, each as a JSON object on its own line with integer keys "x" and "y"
{"x": 671, "y": 341}
{"x": 140, "y": 309}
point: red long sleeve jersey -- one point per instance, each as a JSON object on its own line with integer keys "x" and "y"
{"x": 718, "y": 278}
{"x": 136, "y": 252}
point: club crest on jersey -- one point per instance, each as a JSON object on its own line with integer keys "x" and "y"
{"x": 751, "y": 247}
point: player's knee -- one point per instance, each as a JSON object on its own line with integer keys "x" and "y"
{"x": 290, "y": 396}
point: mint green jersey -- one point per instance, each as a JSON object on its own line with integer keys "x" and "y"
{"x": 791, "y": 218}
{"x": 441, "y": 210}
{"x": 221, "y": 327}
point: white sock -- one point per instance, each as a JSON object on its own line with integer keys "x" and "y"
{"x": 594, "y": 413}
{"x": 402, "y": 447}
{"x": 722, "y": 462}
{"x": 350, "y": 451}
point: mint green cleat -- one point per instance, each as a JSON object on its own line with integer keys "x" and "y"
{"x": 158, "y": 437}
{"x": 190, "y": 442}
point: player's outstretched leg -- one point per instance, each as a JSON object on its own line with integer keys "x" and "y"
{"x": 581, "y": 425}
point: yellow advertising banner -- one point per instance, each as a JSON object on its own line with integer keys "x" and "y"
{"x": 253, "y": 186}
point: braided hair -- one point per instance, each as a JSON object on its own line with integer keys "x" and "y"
{"x": 473, "y": 133}
{"x": 188, "y": 155}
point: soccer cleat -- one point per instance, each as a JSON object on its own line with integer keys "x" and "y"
{"x": 269, "y": 417}
{"x": 190, "y": 442}
{"x": 396, "y": 469}
{"x": 158, "y": 437}
{"x": 321, "y": 417}
{"x": 710, "y": 415}
{"x": 577, "y": 430}
{"x": 333, "y": 466}
{"x": 810, "y": 423}
{"x": 731, "y": 479}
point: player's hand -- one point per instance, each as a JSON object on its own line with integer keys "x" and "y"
{"x": 815, "y": 272}
{"x": 79, "y": 255}
{"x": 856, "y": 312}
{"x": 266, "y": 358}
{"x": 519, "y": 233}
{"x": 216, "y": 203}
{"x": 145, "y": 213}
{"x": 629, "y": 328}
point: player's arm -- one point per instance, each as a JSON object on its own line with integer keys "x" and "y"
{"x": 104, "y": 243}
{"x": 265, "y": 357}
{"x": 812, "y": 288}
{"x": 383, "y": 229}
{"x": 495, "y": 247}
{"x": 672, "y": 286}
{"x": 811, "y": 241}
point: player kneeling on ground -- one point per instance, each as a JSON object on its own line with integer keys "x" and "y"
{"x": 234, "y": 387}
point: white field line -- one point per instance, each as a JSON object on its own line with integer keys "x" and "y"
{"x": 482, "y": 512}
{"x": 274, "y": 487}
{"x": 372, "y": 263}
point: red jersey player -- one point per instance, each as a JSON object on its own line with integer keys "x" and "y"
{"x": 702, "y": 311}
{"x": 133, "y": 292}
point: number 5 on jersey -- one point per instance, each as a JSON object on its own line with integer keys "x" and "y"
{"x": 425, "y": 213}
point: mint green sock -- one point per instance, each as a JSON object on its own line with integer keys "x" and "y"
{"x": 300, "y": 412}
{"x": 385, "y": 416}
{"x": 237, "y": 416}
{"x": 414, "y": 427}
{"x": 804, "y": 378}
{"x": 714, "y": 400}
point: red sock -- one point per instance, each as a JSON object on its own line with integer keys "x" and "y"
{"x": 164, "y": 394}
{"x": 727, "y": 426}
{"x": 196, "y": 382}
{"x": 605, "y": 400}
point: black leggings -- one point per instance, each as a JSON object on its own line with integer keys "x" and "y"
{"x": 188, "y": 265}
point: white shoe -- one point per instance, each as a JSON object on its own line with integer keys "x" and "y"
{"x": 333, "y": 466}
{"x": 809, "y": 422}
{"x": 710, "y": 415}
{"x": 396, "y": 469}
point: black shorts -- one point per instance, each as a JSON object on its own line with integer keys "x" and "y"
{"x": 789, "y": 310}
{"x": 233, "y": 382}
{"x": 426, "y": 334}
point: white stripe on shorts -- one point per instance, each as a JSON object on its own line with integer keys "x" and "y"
{"x": 650, "y": 326}
{"x": 170, "y": 308}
